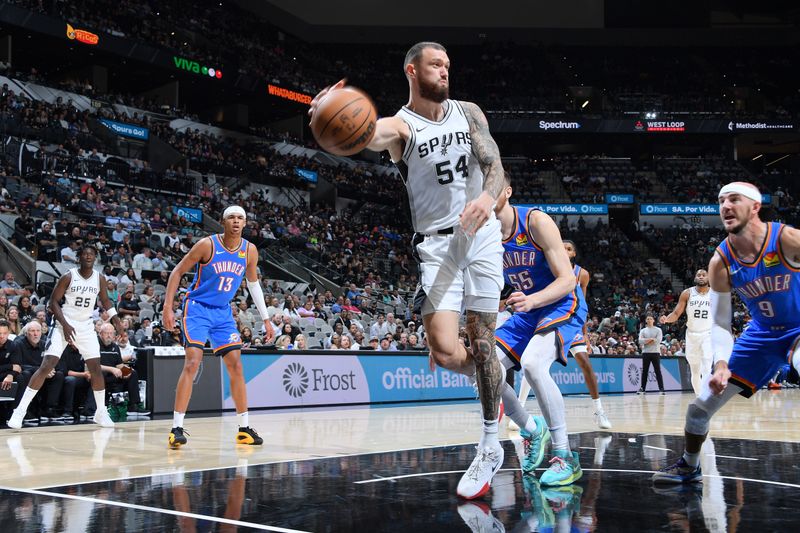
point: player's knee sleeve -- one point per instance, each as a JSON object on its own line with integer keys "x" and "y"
{"x": 538, "y": 357}
{"x": 697, "y": 419}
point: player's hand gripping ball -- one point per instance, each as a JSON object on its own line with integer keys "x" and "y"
{"x": 343, "y": 120}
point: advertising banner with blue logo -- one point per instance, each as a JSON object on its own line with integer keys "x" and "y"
{"x": 308, "y": 175}
{"x": 127, "y": 130}
{"x": 303, "y": 380}
{"x": 189, "y": 213}
{"x": 619, "y": 198}
{"x": 679, "y": 209}
{"x": 616, "y": 375}
{"x": 571, "y": 209}
{"x": 306, "y": 380}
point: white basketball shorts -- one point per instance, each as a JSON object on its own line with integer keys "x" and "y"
{"x": 458, "y": 271}
{"x": 698, "y": 349}
{"x": 85, "y": 341}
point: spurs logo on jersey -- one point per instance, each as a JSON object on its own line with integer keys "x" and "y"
{"x": 698, "y": 311}
{"x": 81, "y": 296}
{"x": 440, "y": 172}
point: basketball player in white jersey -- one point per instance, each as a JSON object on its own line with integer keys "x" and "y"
{"x": 454, "y": 176}
{"x": 80, "y": 288}
{"x": 696, "y": 301}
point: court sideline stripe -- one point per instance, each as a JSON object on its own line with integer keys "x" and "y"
{"x": 621, "y": 471}
{"x": 154, "y": 510}
{"x": 265, "y": 463}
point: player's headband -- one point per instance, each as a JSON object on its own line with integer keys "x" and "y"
{"x": 233, "y": 210}
{"x": 744, "y": 190}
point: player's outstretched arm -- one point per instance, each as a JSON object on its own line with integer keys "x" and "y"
{"x": 478, "y": 211}
{"x": 676, "y": 313}
{"x": 721, "y": 315}
{"x": 55, "y": 306}
{"x": 583, "y": 280}
{"x": 545, "y": 232}
{"x": 391, "y": 133}
{"x": 200, "y": 253}
{"x": 257, "y": 294}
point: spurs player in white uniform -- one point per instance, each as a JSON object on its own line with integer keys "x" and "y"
{"x": 80, "y": 288}
{"x": 454, "y": 177}
{"x": 696, "y": 301}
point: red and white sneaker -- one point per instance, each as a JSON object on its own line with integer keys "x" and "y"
{"x": 478, "y": 478}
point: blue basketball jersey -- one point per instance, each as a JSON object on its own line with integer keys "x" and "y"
{"x": 769, "y": 287}
{"x": 216, "y": 282}
{"x": 524, "y": 264}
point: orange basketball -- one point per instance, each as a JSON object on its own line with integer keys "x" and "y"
{"x": 344, "y": 121}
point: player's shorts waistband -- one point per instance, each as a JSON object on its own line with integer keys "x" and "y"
{"x": 198, "y": 302}
{"x": 446, "y": 231}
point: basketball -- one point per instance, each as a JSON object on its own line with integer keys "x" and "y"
{"x": 344, "y": 121}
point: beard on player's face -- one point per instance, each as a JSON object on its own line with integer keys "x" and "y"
{"x": 434, "y": 91}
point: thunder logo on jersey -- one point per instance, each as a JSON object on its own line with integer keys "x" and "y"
{"x": 524, "y": 263}
{"x": 765, "y": 285}
{"x": 217, "y": 281}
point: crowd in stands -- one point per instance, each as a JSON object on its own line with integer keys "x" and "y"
{"x": 80, "y": 194}
{"x": 738, "y": 82}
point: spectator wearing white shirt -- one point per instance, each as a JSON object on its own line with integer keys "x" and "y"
{"x": 159, "y": 262}
{"x": 69, "y": 253}
{"x": 142, "y": 261}
{"x": 380, "y": 328}
{"x": 390, "y": 323}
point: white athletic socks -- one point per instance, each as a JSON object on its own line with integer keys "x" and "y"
{"x": 692, "y": 459}
{"x": 530, "y": 425}
{"x": 27, "y": 398}
{"x": 177, "y": 419}
{"x": 243, "y": 419}
{"x": 489, "y": 438}
{"x": 598, "y": 405}
{"x": 100, "y": 398}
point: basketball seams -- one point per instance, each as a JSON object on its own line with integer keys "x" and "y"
{"x": 339, "y": 112}
{"x": 357, "y": 131}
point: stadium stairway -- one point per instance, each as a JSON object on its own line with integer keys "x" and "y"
{"x": 661, "y": 266}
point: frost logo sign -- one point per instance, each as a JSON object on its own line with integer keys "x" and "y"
{"x": 295, "y": 380}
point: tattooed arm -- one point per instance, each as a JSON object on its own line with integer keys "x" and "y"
{"x": 477, "y": 212}
{"x": 489, "y": 373}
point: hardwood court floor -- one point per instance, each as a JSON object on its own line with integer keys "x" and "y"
{"x": 360, "y": 466}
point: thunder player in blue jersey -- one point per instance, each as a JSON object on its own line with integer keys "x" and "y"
{"x": 761, "y": 262}
{"x": 549, "y": 313}
{"x": 222, "y": 261}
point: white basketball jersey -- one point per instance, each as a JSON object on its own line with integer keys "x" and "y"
{"x": 698, "y": 311}
{"x": 81, "y": 297}
{"x": 439, "y": 169}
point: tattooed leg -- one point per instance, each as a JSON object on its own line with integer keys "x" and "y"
{"x": 489, "y": 373}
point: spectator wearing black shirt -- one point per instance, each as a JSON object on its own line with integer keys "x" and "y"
{"x": 118, "y": 375}
{"x": 28, "y": 348}
{"x": 26, "y": 312}
{"x": 128, "y": 307}
{"x": 10, "y": 367}
{"x": 77, "y": 384}
{"x": 23, "y": 230}
{"x": 46, "y": 243}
